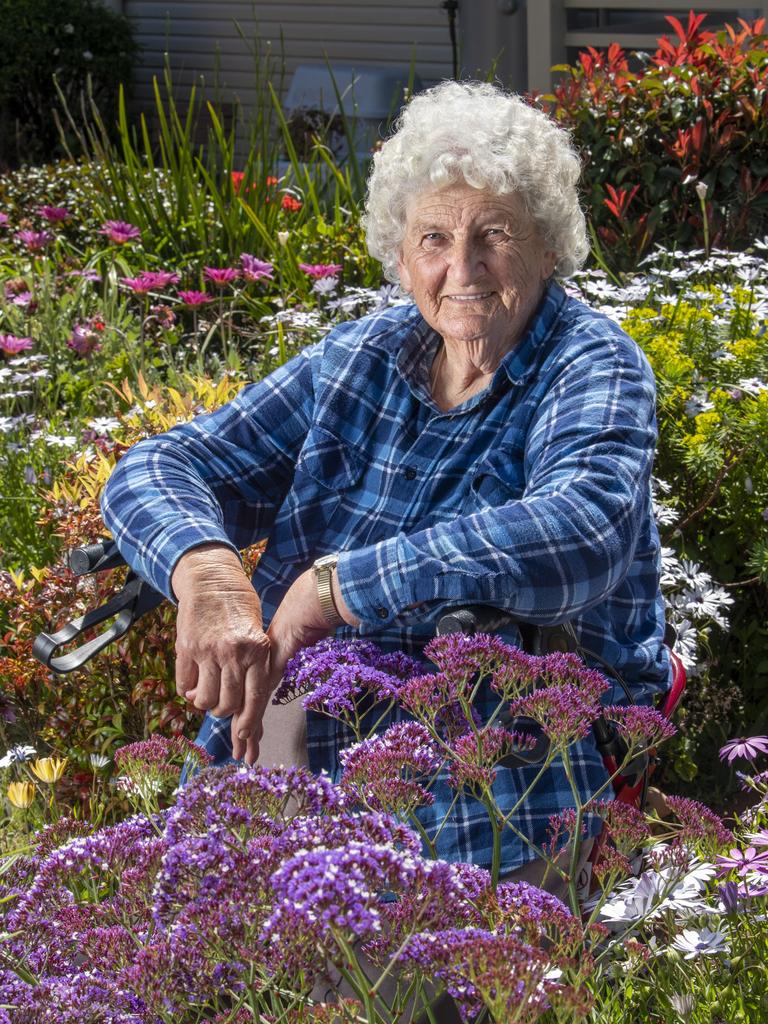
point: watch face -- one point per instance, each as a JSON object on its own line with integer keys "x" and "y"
{"x": 326, "y": 562}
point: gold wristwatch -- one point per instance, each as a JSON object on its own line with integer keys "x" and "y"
{"x": 324, "y": 574}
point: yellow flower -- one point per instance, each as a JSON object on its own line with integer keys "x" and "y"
{"x": 21, "y": 794}
{"x": 49, "y": 769}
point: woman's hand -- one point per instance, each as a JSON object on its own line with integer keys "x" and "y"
{"x": 222, "y": 652}
{"x": 297, "y": 623}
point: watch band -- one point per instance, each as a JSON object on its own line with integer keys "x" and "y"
{"x": 324, "y": 568}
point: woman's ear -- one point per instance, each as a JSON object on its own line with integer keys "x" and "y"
{"x": 548, "y": 264}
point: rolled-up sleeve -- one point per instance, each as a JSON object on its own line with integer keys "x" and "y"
{"x": 568, "y": 541}
{"x": 219, "y": 478}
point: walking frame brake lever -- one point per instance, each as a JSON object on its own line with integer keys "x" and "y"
{"x": 135, "y": 599}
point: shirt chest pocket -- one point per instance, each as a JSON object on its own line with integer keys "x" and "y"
{"x": 326, "y": 470}
{"x": 497, "y": 478}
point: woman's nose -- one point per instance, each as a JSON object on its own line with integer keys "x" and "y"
{"x": 466, "y": 263}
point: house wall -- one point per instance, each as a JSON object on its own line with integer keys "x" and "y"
{"x": 202, "y": 39}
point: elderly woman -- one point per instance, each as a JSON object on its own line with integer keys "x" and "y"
{"x": 489, "y": 443}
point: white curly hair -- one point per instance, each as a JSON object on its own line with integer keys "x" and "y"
{"x": 491, "y": 139}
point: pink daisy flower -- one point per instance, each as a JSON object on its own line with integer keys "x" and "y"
{"x": 35, "y": 240}
{"x": 221, "y": 276}
{"x": 320, "y": 269}
{"x": 12, "y": 345}
{"x": 254, "y": 269}
{"x": 119, "y": 231}
{"x": 194, "y": 299}
{"x": 746, "y": 747}
{"x": 53, "y": 214}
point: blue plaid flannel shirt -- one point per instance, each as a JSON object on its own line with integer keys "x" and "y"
{"x": 533, "y": 495}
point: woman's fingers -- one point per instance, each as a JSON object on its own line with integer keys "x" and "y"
{"x": 246, "y": 724}
{"x": 231, "y": 689}
{"x": 208, "y": 686}
{"x": 186, "y": 676}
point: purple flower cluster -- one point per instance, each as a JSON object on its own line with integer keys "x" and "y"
{"x": 336, "y": 674}
{"x": 475, "y": 754}
{"x": 699, "y": 822}
{"x": 462, "y": 657}
{"x": 481, "y": 969}
{"x": 387, "y": 772}
{"x": 641, "y": 726}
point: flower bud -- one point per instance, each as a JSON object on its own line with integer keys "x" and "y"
{"x": 21, "y": 794}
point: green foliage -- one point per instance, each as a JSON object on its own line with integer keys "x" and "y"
{"x": 676, "y": 149}
{"x": 709, "y": 354}
{"x": 198, "y": 205}
{"x": 88, "y": 47}
{"x": 127, "y": 692}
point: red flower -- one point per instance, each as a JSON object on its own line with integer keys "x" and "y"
{"x": 290, "y": 204}
{"x": 619, "y": 201}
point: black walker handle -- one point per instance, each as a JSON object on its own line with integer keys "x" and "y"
{"x": 134, "y": 600}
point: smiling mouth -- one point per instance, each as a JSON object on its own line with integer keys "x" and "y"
{"x": 469, "y": 298}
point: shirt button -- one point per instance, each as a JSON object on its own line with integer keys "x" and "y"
{"x": 410, "y": 473}
{"x": 382, "y": 612}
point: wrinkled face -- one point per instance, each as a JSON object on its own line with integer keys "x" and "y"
{"x": 475, "y": 264}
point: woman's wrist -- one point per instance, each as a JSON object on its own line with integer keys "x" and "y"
{"x": 211, "y": 563}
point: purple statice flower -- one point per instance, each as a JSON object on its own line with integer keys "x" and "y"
{"x": 311, "y": 832}
{"x": 160, "y": 752}
{"x": 517, "y": 675}
{"x": 743, "y": 861}
{"x": 12, "y": 345}
{"x": 220, "y": 277}
{"x": 334, "y": 674}
{"x": 698, "y": 821}
{"x": 54, "y": 214}
{"x": 212, "y": 884}
{"x": 317, "y": 270}
{"x": 128, "y": 853}
{"x": 339, "y": 890}
{"x": 434, "y": 698}
{"x": 51, "y": 837}
{"x": 747, "y": 747}
{"x": 565, "y": 713}
{"x": 454, "y": 720}
{"x": 119, "y": 231}
{"x": 626, "y": 824}
{"x": 195, "y": 299}
{"x": 566, "y": 669}
{"x": 256, "y": 798}
{"x": 443, "y": 898}
{"x": 461, "y": 657}
{"x": 474, "y": 755}
{"x": 255, "y": 269}
{"x": 84, "y": 340}
{"x": 641, "y": 726}
{"x": 481, "y": 969}
{"x": 388, "y": 772}
{"x": 35, "y": 241}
